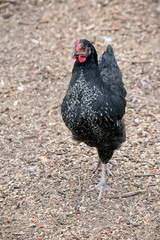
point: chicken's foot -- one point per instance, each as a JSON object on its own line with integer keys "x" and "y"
{"x": 102, "y": 185}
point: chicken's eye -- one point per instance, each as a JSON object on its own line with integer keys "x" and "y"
{"x": 83, "y": 48}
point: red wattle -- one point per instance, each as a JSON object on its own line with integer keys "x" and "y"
{"x": 82, "y": 59}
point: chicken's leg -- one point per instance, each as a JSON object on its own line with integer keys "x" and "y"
{"x": 107, "y": 168}
{"x": 102, "y": 185}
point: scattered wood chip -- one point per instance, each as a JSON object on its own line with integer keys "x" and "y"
{"x": 90, "y": 27}
{"x": 49, "y": 69}
{"x": 44, "y": 159}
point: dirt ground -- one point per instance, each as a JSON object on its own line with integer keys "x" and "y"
{"x": 44, "y": 174}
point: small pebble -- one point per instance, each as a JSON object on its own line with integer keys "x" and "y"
{"x": 128, "y": 223}
{"x": 2, "y": 83}
{"x": 107, "y": 39}
{"x": 20, "y": 88}
{"x": 15, "y": 103}
{"x": 135, "y": 224}
{"x": 136, "y": 120}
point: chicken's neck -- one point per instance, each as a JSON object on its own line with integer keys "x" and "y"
{"x": 90, "y": 72}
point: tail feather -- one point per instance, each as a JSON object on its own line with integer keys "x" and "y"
{"x": 108, "y": 59}
{"x": 112, "y": 78}
{"x": 110, "y": 71}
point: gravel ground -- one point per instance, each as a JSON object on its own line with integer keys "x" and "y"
{"x": 44, "y": 174}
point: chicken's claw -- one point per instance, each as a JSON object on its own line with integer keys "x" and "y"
{"x": 98, "y": 164}
{"x": 102, "y": 187}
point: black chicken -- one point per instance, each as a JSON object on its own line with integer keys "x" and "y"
{"x": 95, "y": 103}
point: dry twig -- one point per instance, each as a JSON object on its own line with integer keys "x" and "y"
{"x": 57, "y": 106}
{"x": 4, "y": 5}
{"x": 79, "y": 180}
{"x": 9, "y": 1}
{"x": 153, "y": 115}
{"x": 129, "y": 194}
{"x": 147, "y": 175}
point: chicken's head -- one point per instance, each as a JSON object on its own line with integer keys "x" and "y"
{"x": 81, "y": 50}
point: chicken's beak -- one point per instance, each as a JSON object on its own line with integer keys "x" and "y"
{"x": 75, "y": 55}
